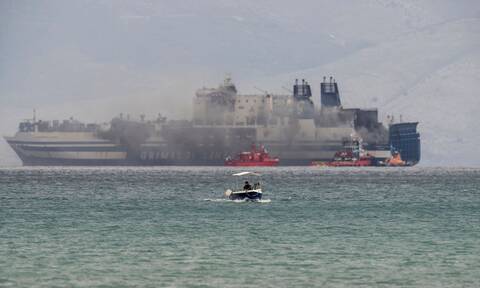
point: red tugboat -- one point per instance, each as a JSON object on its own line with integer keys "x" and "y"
{"x": 348, "y": 159}
{"x": 253, "y": 157}
{"x": 352, "y": 155}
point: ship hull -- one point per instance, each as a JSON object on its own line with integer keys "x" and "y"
{"x": 65, "y": 153}
{"x": 171, "y": 156}
{"x": 30, "y": 161}
{"x": 251, "y": 195}
{"x": 212, "y": 145}
{"x": 295, "y": 154}
{"x": 67, "y": 150}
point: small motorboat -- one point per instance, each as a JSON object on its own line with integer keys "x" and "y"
{"x": 249, "y": 192}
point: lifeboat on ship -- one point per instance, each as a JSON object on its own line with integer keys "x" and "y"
{"x": 254, "y": 157}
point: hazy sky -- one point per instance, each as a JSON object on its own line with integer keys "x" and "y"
{"x": 95, "y": 59}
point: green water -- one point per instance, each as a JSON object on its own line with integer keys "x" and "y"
{"x": 167, "y": 227}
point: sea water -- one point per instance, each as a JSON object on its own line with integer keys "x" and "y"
{"x": 171, "y": 227}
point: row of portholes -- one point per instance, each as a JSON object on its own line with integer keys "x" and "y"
{"x": 152, "y": 155}
{"x": 178, "y": 155}
{"x": 254, "y": 100}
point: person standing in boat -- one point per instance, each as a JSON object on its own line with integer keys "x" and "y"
{"x": 247, "y": 186}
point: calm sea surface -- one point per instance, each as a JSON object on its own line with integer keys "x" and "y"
{"x": 166, "y": 227}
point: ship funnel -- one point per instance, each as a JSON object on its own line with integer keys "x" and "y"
{"x": 302, "y": 94}
{"x": 302, "y": 91}
{"x": 329, "y": 94}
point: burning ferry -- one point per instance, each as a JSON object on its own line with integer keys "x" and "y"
{"x": 224, "y": 123}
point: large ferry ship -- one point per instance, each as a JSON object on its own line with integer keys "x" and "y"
{"x": 224, "y": 123}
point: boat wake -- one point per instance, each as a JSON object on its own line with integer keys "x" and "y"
{"x": 238, "y": 201}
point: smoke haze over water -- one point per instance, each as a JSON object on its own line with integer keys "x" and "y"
{"x": 94, "y": 59}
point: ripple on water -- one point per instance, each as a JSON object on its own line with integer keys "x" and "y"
{"x": 171, "y": 226}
